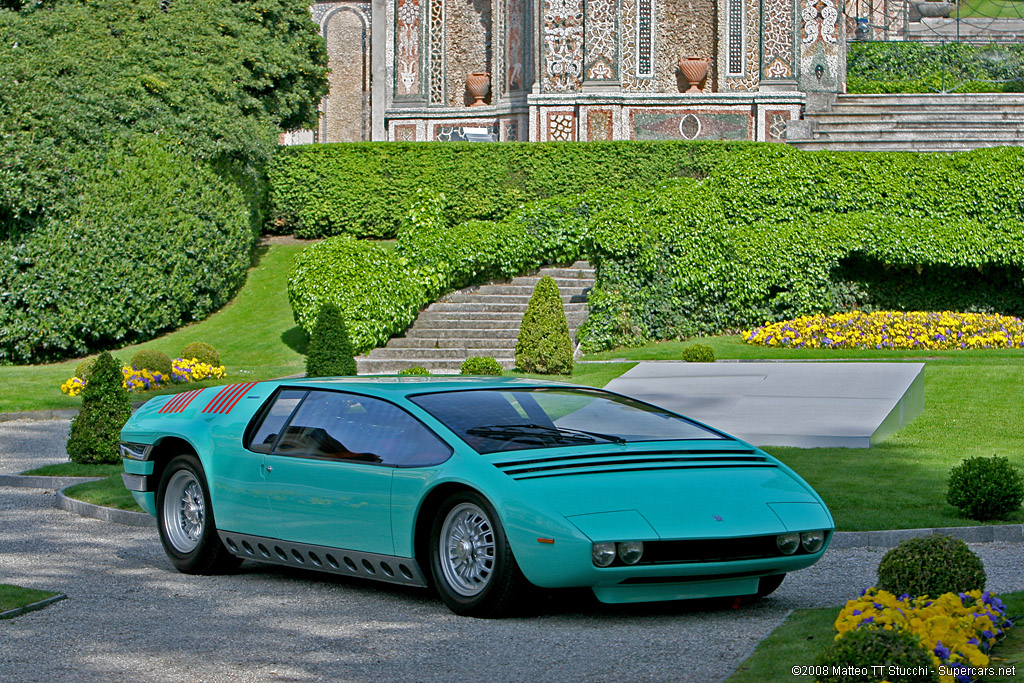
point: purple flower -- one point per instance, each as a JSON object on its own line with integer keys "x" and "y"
{"x": 941, "y": 651}
{"x": 857, "y": 612}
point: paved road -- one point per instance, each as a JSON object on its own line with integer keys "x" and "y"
{"x": 132, "y": 617}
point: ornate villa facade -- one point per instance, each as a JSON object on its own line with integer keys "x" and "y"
{"x": 539, "y": 70}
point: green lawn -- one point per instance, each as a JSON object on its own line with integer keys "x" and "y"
{"x": 108, "y": 492}
{"x": 799, "y": 640}
{"x": 1012, "y": 9}
{"x": 255, "y": 335}
{"x": 13, "y": 597}
{"x": 971, "y": 409}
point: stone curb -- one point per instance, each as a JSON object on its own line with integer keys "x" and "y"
{"x": 1004, "y": 533}
{"x": 63, "y": 414}
{"x": 104, "y": 514}
{"x": 18, "y": 611}
{"x": 41, "y": 482}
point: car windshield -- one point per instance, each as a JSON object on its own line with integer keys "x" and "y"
{"x": 492, "y": 420}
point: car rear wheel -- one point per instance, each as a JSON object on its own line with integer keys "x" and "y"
{"x": 473, "y": 567}
{"x": 185, "y": 520}
{"x": 768, "y": 584}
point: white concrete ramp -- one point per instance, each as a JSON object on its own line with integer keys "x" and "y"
{"x": 809, "y": 405}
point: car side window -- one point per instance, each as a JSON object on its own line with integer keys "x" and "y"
{"x": 340, "y": 426}
{"x": 273, "y": 420}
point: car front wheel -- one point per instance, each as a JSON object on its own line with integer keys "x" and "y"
{"x": 470, "y": 559}
{"x": 185, "y": 520}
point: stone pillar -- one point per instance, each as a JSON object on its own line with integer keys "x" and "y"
{"x": 411, "y": 83}
{"x": 778, "y": 45}
{"x": 822, "y": 52}
{"x": 601, "y": 50}
{"x": 378, "y": 69}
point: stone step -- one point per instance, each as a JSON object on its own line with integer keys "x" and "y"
{"x": 495, "y": 305}
{"x": 964, "y": 100}
{"x": 1006, "y": 137}
{"x": 886, "y": 145}
{"x": 512, "y": 293}
{"x": 482, "y": 343}
{"x": 485, "y": 316}
{"x": 387, "y": 366}
{"x": 443, "y": 329}
{"x": 937, "y": 117}
{"x": 460, "y": 354}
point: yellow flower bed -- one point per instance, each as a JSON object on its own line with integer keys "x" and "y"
{"x": 893, "y": 330}
{"x": 182, "y": 370}
{"x": 956, "y": 629}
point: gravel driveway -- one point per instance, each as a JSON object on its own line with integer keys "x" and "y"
{"x": 132, "y": 617}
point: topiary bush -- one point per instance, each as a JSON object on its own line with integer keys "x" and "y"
{"x": 544, "y": 345}
{"x": 152, "y": 360}
{"x": 931, "y": 565}
{"x": 96, "y": 430}
{"x": 330, "y": 349}
{"x": 863, "y": 648}
{"x": 202, "y": 352}
{"x": 698, "y": 353}
{"x": 414, "y": 371}
{"x": 985, "y": 488}
{"x": 480, "y": 365}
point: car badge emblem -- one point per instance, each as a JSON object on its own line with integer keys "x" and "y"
{"x": 717, "y": 518}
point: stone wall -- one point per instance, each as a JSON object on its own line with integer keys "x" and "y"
{"x": 685, "y": 28}
{"x": 468, "y": 38}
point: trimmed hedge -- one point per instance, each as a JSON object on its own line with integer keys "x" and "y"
{"x": 330, "y": 349}
{"x": 771, "y": 233}
{"x": 908, "y": 67}
{"x": 96, "y": 430}
{"x": 367, "y": 189}
{"x": 544, "y": 345}
{"x": 157, "y": 241}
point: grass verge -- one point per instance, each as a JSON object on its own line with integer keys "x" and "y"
{"x": 14, "y": 597}
{"x": 255, "y": 334}
{"x": 806, "y": 632}
{"x": 108, "y": 492}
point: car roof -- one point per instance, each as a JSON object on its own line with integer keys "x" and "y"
{"x": 412, "y": 384}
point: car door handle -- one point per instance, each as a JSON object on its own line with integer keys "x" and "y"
{"x": 269, "y": 469}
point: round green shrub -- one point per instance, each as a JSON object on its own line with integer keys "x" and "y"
{"x": 480, "y": 365}
{"x": 416, "y": 371}
{"x": 84, "y": 368}
{"x": 202, "y": 352}
{"x": 152, "y": 360}
{"x": 985, "y": 488}
{"x": 931, "y": 565}
{"x": 698, "y": 353}
{"x": 866, "y": 647}
{"x": 96, "y": 430}
{"x": 330, "y": 349}
{"x": 544, "y": 345}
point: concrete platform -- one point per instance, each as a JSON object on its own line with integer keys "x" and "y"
{"x": 808, "y": 405}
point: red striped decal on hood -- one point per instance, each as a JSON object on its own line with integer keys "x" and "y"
{"x": 180, "y": 401}
{"x": 227, "y": 397}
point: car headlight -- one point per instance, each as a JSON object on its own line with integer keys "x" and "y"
{"x": 812, "y": 540}
{"x": 135, "y": 451}
{"x": 603, "y": 554}
{"x": 788, "y": 543}
{"x": 630, "y": 552}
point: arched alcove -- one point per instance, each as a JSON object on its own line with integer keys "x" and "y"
{"x": 468, "y": 40}
{"x": 346, "y": 109}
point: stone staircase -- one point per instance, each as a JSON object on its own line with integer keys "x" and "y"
{"x": 477, "y": 321}
{"x": 976, "y": 30}
{"x": 915, "y": 123}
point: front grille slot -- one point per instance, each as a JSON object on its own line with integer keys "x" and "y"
{"x": 643, "y": 461}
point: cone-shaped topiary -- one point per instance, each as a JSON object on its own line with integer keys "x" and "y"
{"x": 931, "y": 565}
{"x": 544, "y": 345}
{"x": 96, "y": 430}
{"x": 330, "y": 349}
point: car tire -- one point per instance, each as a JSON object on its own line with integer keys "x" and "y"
{"x": 471, "y": 562}
{"x": 185, "y": 519}
{"x": 768, "y": 584}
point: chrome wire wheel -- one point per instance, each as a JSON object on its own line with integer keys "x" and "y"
{"x": 466, "y": 549}
{"x": 184, "y": 511}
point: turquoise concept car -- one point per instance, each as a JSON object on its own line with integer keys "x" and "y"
{"x": 480, "y": 487}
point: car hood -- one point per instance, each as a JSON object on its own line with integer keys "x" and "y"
{"x": 670, "y": 493}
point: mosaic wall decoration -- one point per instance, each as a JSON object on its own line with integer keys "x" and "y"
{"x": 436, "y": 55}
{"x": 645, "y": 38}
{"x": 820, "y": 38}
{"x": 449, "y": 133}
{"x": 601, "y": 36}
{"x": 658, "y": 124}
{"x": 562, "y": 126}
{"x": 405, "y": 133}
{"x": 631, "y": 82}
{"x": 775, "y": 123}
{"x": 510, "y": 131}
{"x": 777, "y": 39}
{"x": 600, "y": 125}
{"x": 407, "y": 36}
{"x": 562, "y": 45}
{"x": 514, "y": 45}
{"x": 752, "y": 27}
{"x": 734, "y": 38}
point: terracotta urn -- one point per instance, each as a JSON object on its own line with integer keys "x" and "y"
{"x": 694, "y": 70}
{"x": 478, "y": 84}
